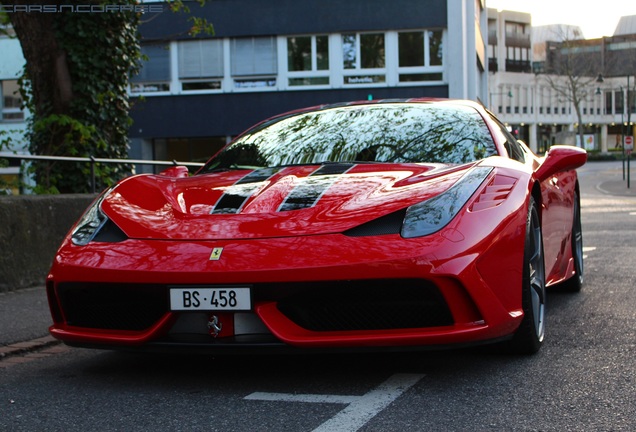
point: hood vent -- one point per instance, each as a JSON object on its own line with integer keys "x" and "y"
{"x": 237, "y": 195}
{"x": 307, "y": 193}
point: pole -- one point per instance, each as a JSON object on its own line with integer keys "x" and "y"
{"x": 630, "y": 131}
{"x": 623, "y": 132}
{"x": 93, "y": 185}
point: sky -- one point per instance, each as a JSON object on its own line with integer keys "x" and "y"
{"x": 596, "y": 18}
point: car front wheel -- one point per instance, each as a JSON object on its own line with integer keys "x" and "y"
{"x": 575, "y": 283}
{"x": 529, "y": 336}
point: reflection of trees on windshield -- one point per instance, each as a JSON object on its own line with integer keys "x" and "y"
{"x": 399, "y": 132}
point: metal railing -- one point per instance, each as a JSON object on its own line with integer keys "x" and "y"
{"x": 93, "y": 161}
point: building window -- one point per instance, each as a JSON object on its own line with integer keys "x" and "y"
{"x": 513, "y": 28}
{"x": 187, "y": 149}
{"x": 619, "y": 102}
{"x": 308, "y": 60}
{"x": 154, "y": 74}
{"x": 11, "y": 103}
{"x": 254, "y": 62}
{"x": 364, "y": 58}
{"x": 435, "y": 45}
{"x": 411, "y": 49}
{"x": 201, "y": 64}
{"x": 420, "y": 56}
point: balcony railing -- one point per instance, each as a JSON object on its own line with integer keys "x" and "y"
{"x": 518, "y": 40}
{"x": 518, "y": 65}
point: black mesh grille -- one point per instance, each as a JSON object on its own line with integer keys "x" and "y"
{"x": 317, "y": 306}
{"x": 113, "y": 306}
{"x": 366, "y": 305}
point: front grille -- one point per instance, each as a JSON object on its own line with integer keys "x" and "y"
{"x": 365, "y": 305}
{"x": 113, "y": 306}
{"x": 346, "y": 305}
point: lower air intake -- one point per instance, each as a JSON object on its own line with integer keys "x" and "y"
{"x": 113, "y": 306}
{"x": 367, "y": 305}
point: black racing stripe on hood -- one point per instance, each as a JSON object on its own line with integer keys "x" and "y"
{"x": 236, "y": 195}
{"x": 258, "y": 175}
{"x": 308, "y": 192}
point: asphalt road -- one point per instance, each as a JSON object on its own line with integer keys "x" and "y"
{"x": 583, "y": 379}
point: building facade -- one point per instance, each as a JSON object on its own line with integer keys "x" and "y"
{"x": 529, "y": 89}
{"x": 268, "y": 57}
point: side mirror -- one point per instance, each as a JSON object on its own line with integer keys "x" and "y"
{"x": 560, "y": 158}
{"x": 176, "y": 171}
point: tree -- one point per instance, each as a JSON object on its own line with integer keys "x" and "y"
{"x": 570, "y": 73}
{"x": 75, "y": 84}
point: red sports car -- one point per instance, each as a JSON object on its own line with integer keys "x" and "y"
{"x": 401, "y": 223}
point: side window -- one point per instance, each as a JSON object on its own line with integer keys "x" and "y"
{"x": 510, "y": 142}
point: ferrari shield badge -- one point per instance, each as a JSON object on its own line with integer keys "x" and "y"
{"x": 216, "y": 254}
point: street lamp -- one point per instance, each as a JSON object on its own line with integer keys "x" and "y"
{"x": 600, "y": 80}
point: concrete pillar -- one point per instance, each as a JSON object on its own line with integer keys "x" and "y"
{"x": 604, "y": 138}
{"x": 534, "y": 145}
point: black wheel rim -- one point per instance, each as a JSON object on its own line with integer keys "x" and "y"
{"x": 537, "y": 276}
{"x": 578, "y": 241}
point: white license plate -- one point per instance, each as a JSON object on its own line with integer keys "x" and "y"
{"x": 217, "y": 299}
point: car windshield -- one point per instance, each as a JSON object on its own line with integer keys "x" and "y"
{"x": 396, "y": 132}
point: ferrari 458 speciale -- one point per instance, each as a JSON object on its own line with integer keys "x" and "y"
{"x": 401, "y": 223}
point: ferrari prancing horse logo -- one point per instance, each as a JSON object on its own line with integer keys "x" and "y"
{"x": 216, "y": 254}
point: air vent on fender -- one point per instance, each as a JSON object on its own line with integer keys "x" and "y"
{"x": 495, "y": 193}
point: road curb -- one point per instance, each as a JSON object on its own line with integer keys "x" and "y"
{"x": 21, "y": 348}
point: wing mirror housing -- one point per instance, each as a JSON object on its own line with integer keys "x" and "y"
{"x": 560, "y": 158}
{"x": 179, "y": 171}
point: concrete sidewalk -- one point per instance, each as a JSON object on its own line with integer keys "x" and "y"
{"x": 24, "y": 315}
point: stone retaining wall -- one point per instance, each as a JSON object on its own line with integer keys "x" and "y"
{"x": 31, "y": 229}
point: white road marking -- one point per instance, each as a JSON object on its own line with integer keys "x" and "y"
{"x": 589, "y": 248}
{"x": 359, "y": 410}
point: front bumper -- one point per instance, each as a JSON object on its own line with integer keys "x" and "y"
{"x": 456, "y": 288}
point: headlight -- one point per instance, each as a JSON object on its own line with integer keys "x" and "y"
{"x": 90, "y": 223}
{"x": 434, "y": 214}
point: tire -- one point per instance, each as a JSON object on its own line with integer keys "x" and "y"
{"x": 575, "y": 283}
{"x": 529, "y": 336}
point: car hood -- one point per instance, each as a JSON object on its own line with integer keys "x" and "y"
{"x": 271, "y": 202}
